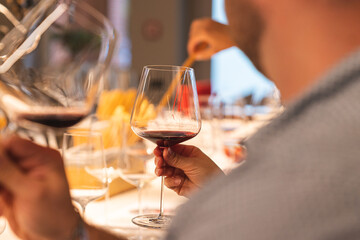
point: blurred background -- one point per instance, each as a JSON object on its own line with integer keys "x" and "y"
{"x": 233, "y": 95}
{"x": 156, "y": 32}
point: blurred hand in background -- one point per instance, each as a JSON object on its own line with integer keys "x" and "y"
{"x": 207, "y": 37}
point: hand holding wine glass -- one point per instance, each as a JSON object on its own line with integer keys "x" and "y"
{"x": 85, "y": 166}
{"x": 170, "y": 91}
{"x": 185, "y": 168}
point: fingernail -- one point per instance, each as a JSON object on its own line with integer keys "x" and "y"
{"x": 177, "y": 181}
{"x": 171, "y": 152}
{"x": 158, "y": 172}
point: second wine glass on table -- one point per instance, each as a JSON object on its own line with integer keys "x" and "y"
{"x": 166, "y": 112}
{"x": 85, "y": 166}
{"x": 136, "y": 165}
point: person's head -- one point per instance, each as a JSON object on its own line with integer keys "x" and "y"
{"x": 294, "y": 42}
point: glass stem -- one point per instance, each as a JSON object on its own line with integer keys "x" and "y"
{"x": 161, "y": 197}
{"x": 139, "y": 189}
{"x": 82, "y": 209}
{"x": 107, "y": 203}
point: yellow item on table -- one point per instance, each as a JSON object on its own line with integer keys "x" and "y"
{"x": 110, "y": 100}
{"x": 118, "y": 185}
{"x": 3, "y": 122}
{"x": 80, "y": 178}
{"x": 115, "y": 107}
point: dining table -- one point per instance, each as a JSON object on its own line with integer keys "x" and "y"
{"x": 114, "y": 213}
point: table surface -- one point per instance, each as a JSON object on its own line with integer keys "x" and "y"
{"x": 115, "y": 213}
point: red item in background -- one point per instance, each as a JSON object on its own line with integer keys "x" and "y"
{"x": 204, "y": 92}
{"x": 203, "y": 87}
{"x": 181, "y": 102}
{"x": 235, "y": 151}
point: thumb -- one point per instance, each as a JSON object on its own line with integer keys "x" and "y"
{"x": 11, "y": 177}
{"x": 176, "y": 160}
{"x": 204, "y": 55}
{"x": 197, "y": 45}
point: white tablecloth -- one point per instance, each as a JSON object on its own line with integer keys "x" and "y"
{"x": 116, "y": 213}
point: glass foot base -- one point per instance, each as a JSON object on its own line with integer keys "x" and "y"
{"x": 152, "y": 221}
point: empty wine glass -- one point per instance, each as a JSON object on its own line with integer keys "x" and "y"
{"x": 55, "y": 74}
{"x": 166, "y": 112}
{"x": 135, "y": 165}
{"x": 85, "y": 166}
{"x": 112, "y": 118}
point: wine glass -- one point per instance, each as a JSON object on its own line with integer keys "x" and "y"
{"x": 112, "y": 118}
{"x": 52, "y": 79}
{"x": 166, "y": 112}
{"x": 85, "y": 166}
{"x": 135, "y": 165}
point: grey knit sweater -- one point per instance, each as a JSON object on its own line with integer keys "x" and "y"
{"x": 302, "y": 176}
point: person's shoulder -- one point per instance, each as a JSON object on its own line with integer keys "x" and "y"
{"x": 199, "y": 211}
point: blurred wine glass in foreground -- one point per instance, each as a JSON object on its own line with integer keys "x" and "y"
{"x": 85, "y": 166}
{"x": 50, "y": 77}
{"x": 168, "y": 95}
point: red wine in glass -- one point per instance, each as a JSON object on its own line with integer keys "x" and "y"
{"x": 167, "y": 138}
{"x": 55, "y": 120}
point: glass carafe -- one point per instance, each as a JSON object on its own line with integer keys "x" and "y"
{"x": 52, "y": 64}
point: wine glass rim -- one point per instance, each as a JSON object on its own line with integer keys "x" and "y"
{"x": 168, "y": 67}
{"x": 83, "y": 133}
